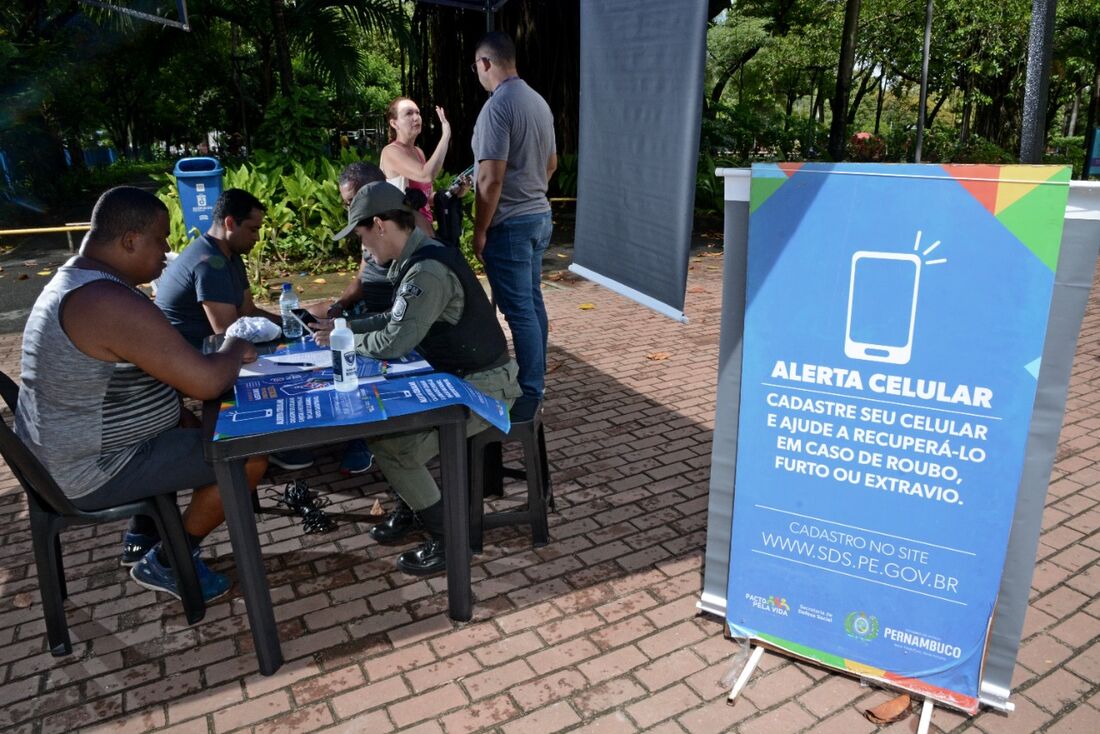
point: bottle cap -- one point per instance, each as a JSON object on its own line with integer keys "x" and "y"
{"x": 340, "y": 323}
{"x": 286, "y": 286}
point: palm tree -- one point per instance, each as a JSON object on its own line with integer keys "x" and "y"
{"x": 323, "y": 34}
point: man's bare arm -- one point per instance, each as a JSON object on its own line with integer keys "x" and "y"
{"x": 490, "y": 179}
{"x": 220, "y": 315}
{"x": 111, "y": 323}
{"x": 551, "y": 165}
{"x": 249, "y": 308}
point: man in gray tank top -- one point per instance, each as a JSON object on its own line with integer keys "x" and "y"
{"x": 100, "y": 369}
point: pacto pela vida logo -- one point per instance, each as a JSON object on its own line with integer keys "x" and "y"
{"x": 774, "y": 604}
{"x": 861, "y": 625}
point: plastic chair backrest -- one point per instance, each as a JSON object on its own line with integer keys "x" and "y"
{"x": 24, "y": 464}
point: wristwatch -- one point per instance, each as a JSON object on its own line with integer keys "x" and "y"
{"x": 335, "y": 310}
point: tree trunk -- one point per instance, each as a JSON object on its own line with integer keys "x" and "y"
{"x": 1071, "y": 123}
{"x": 726, "y": 75}
{"x": 838, "y": 131}
{"x": 968, "y": 110}
{"x": 936, "y": 108}
{"x": 864, "y": 84}
{"x": 881, "y": 96}
{"x": 282, "y": 46}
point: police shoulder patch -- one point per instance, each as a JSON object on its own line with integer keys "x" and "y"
{"x": 398, "y": 311}
{"x": 410, "y": 290}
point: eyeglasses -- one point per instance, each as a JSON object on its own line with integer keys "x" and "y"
{"x": 473, "y": 66}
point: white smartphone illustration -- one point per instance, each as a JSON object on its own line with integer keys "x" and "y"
{"x": 882, "y": 306}
{"x": 240, "y": 416}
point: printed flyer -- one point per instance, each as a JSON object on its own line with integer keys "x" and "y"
{"x": 307, "y": 399}
{"x": 895, "y": 317}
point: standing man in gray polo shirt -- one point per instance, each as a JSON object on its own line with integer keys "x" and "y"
{"x": 516, "y": 154}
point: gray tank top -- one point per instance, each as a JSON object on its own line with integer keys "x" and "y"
{"x": 82, "y": 417}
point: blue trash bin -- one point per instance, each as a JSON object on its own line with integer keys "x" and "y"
{"x": 199, "y": 182}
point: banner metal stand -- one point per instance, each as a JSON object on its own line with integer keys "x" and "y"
{"x": 746, "y": 673}
{"x": 925, "y": 716}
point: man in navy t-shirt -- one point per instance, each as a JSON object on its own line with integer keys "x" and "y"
{"x": 205, "y": 289}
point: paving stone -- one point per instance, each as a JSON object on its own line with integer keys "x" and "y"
{"x": 596, "y": 632}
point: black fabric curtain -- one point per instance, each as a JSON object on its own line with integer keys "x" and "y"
{"x": 641, "y": 82}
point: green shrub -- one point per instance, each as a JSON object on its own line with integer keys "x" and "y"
{"x": 980, "y": 150}
{"x": 565, "y": 178}
{"x": 304, "y": 211}
{"x": 1067, "y": 150}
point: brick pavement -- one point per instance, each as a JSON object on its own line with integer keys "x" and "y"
{"x": 596, "y": 632}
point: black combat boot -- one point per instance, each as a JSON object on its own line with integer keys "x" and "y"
{"x": 397, "y": 524}
{"x": 427, "y": 558}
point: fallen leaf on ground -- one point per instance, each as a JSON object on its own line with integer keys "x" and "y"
{"x": 376, "y": 509}
{"x": 887, "y": 713}
{"x": 697, "y": 289}
{"x": 562, "y": 255}
{"x": 710, "y": 254}
{"x": 22, "y": 600}
{"x": 586, "y": 306}
{"x": 23, "y": 276}
{"x": 319, "y": 281}
{"x": 44, "y": 272}
{"x": 30, "y": 263}
{"x": 712, "y": 267}
{"x": 552, "y": 366}
{"x": 658, "y": 356}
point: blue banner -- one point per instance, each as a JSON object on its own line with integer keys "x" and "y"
{"x": 895, "y": 317}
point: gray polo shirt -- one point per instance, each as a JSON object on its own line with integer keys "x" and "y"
{"x": 515, "y": 125}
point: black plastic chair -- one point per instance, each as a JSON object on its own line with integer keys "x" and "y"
{"x": 486, "y": 476}
{"x": 51, "y": 512}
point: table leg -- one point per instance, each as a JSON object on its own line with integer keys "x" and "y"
{"x": 456, "y": 512}
{"x": 251, "y": 575}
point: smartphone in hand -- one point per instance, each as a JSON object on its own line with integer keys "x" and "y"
{"x": 304, "y": 315}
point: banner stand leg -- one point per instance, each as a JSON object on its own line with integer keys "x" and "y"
{"x": 746, "y": 673}
{"x": 925, "y": 716}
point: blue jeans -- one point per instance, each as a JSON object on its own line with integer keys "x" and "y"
{"x": 513, "y": 261}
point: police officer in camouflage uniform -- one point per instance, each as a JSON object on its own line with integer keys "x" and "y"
{"x": 440, "y": 310}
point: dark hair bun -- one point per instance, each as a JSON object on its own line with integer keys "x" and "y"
{"x": 415, "y": 198}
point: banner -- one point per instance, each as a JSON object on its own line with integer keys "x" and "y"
{"x": 641, "y": 92}
{"x": 894, "y": 321}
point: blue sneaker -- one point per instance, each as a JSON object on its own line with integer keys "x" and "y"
{"x": 135, "y": 546}
{"x": 357, "y": 458}
{"x": 150, "y": 573}
{"x": 292, "y": 459}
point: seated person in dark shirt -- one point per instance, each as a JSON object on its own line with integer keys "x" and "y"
{"x": 205, "y": 289}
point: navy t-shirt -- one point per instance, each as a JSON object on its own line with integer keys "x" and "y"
{"x": 200, "y": 273}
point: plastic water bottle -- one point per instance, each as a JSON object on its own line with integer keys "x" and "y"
{"x": 288, "y": 300}
{"x": 342, "y": 341}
